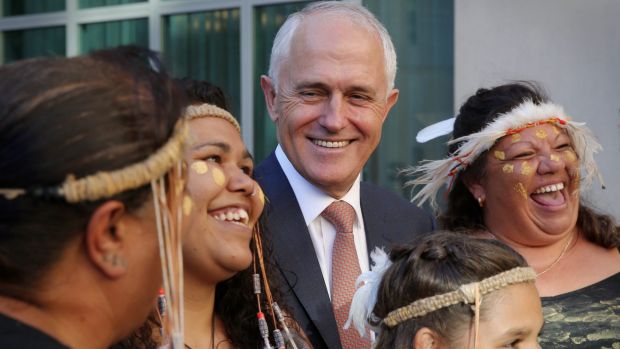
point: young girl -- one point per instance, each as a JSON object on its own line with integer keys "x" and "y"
{"x": 449, "y": 291}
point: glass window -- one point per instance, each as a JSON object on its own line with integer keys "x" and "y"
{"x": 27, "y": 7}
{"x": 95, "y": 36}
{"x": 98, "y": 3}
{"x": 21, "y": 44}
{"x": 206, "y": 46}
{"x": 423, "y": 34}
{"x": 267, "y": 21}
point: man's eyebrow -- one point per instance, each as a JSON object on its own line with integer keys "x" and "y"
{"x": 322, "y": 86}
{"x": 311, "y": 84}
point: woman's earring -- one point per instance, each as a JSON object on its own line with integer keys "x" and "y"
{"x": 480, "y": 201}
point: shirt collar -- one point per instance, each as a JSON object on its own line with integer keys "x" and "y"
{"x": 314, "y": 199}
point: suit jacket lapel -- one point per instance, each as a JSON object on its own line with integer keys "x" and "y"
{"x": 293, "y": 248}
{"x": 375, "y": 222}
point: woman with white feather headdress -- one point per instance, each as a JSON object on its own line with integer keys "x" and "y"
{"x": 516, "y": 171}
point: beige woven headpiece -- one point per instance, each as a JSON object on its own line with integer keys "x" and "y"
{"x": 209, "y": 110}
{"x": 466, "y": 294}
{"x": 106, "y": 184}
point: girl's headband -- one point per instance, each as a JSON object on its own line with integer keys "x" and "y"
{"x": 368, "y": 283}
{"x": 432, "y": 175}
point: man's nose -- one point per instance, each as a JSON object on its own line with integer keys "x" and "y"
{"x": 334, "y": 115}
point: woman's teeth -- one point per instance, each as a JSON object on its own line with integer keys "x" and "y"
{"x": 238, "y": 215}
{"x": 549, "y": 188}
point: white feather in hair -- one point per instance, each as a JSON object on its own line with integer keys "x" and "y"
{"x": 367, "y": 285}
{"x": 432, "y": 175}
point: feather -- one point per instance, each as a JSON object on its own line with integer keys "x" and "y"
{"x": 435, "y": 130}
{"x": 432, "y": 175}
{"x": 367, "y": 288}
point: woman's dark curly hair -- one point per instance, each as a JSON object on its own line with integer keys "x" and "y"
{"x": 435, "y": 264}
{"x": 463, "y": 211}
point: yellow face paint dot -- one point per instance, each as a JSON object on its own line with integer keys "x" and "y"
{"x": 200, "y": 167}
{"x": 516, "y": 137}
{"x": 508, "y": 168}
{"x": 519, "y": 188}
{"x": 188, "y": 204}
{"x": 554, "y": 157}
{"x": 542, "y": 134}
{"x": 526, "y": 169}
{"x": 570, "y": 155}
{"x": 218, "y": 177}
{"x": 556, "y": 130}
{"x": 499, "y": 155}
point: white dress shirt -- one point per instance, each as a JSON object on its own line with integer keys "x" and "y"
{"x": 312, "y": 202}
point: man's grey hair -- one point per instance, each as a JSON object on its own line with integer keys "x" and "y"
{"x": 356, "y": 13}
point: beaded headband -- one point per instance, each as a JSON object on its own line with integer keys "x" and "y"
{"x": 432, "y": 175}
{"x": 106, "y": 184}
{"x": 210, "y": 110}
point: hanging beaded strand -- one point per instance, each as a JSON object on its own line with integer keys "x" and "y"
{"x": 274, "y": 309}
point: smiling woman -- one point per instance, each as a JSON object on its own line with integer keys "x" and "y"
{"x": 221, "y": 210}
{"x": 517, "y": 167}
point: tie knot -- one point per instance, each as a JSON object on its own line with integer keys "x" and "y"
{"x": 341, "y": 215}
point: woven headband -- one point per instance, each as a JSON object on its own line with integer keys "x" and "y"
{"x": 210, "y": 110}
{"x": 464, "y": 294}
{"x": 432, "y": 175}
{"x": 106, "y": 184}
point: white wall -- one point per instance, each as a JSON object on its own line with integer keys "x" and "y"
{"x": 572, "y": 47}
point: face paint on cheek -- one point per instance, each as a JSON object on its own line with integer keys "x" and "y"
{"x": 199, "y": 167}
{"x": 516, "y": 137}
{"x": 499, "y": 155}
{"x": 508, "y": 168}
{"x": 570, "y": 155}
{"x": 519, "y": 188}
{"x": 218, "y": 177}
{"x": 526, "y": 169}
{"x": 542, "y": 134}
{"x": 554, "y": 157}
{"x": 188, "y": 204}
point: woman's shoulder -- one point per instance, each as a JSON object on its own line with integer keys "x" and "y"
{"x": 584, "y": 318}
{"x": 606, "y": 288}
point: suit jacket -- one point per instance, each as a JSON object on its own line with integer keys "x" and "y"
{"x": 388, "y": 219}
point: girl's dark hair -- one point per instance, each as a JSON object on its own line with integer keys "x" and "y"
{"x": 437, "y": 263}
{"x": 72, "y": 116}
{"x": 462, "y": 209}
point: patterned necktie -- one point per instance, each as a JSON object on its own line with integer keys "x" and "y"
{"x": 345, "y": 269}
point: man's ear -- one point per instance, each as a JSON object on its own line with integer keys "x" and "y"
{"x": 270, "y": 96}
{"x": 105, "y": 236}
{"x": 391, "y": 99}
{"x": 426, "y": 338}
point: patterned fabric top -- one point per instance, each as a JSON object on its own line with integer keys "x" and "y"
{"x": 587, "y": 318}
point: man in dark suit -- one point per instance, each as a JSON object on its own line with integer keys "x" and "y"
{"x": 329, "y": 90}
